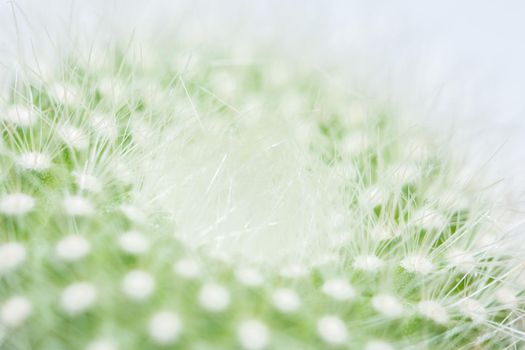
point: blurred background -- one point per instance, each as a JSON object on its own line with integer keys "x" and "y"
{"x": 458, "y": 66}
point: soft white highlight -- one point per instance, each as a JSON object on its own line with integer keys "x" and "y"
{"x": 20, "y": 116}
{"x": 417, "y": 264}
{"x": 15, "y": 311}
{"x": 72, "y": 247}
{"x": 78, "y": 298}
{"x": 473, "y": 309}
{"x": 35, "y": 161}
{"x": 12, "y": 255}
{"x": 369, "y": 263}
{"x": 77, "y": 206}
{"x": 286, "y": 300}
{"x": 332, "y": 330}
{"x": 165, "y": 327}
{"x": 138, "y": 285}
{"x": 214, "y": 297}
{"x": 16, "y": 204}
{"x": 387, "y": 305}
{"x": 433, "y": 310}
{"x": 133, "y": 242}
{"x": 187, "y": 268}
{"x": 338, "y": 289}
{"x": 253, "y": 335}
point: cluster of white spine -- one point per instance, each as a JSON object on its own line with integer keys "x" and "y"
{"x": 253, "y": 335}
{"x": 133, "y": 242}
{"x": 473, "y": 309}
{"x": 138, "y": 285}
{"x": 417, "y": 264}
{"x": 370, "y": 263}
{"x": 36, "y": 161}
{"x": 105, "y": 126}
{"x": 15, "y": 311}
{"x": 433, "y": 311}
{"x": 332, "y": 330}
{"x": 88, "y": 182}
{"x": 387, "y": 305}
{"x": 187, "y": 268}
{"x": 16, "y": 204}
{"x": 249, "y": 277}
{"x": 338, "y": 289}
{"x": 72, "y": 247}
{"x": 75, "y": 205}
{"x": 78, "y": 298}
{"x": 20, "y": 116}
{"x": 214, "y": 297}
{"x": 73, "y": 137}
{"x": 12, "y": 255}
{"x": 165, "y": 327}
{"x": 286, "y": 300}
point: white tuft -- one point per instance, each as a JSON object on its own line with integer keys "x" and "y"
{"x": 133, "y": 242}
{"x": 88, "y": 182}
{"x": 35, "y": 161}
{"x": 372, "y": 197}
{"x": 102, "y": 344}
{"x": 338, "y": 289}
{"x": 64, "y": 93}
{"x": 286, "y": 300}
{"x": 77, "y": 206}
{"x": 12, "y": 255}
{"x": 213, "y": 297}
{"x": 78, "y": 298}
{"x": 123, "y": 172}
{"x": 381, "y": 233}
{"x": 15, "y": 311}
{"x": 105, "y": 126}
{"x": 20, "y": 116}
{"x": 461, "y": 260}
{"x": 138, "y": 285}
{"x": 72, "y": 248}
{"x": 507, "y": 297}
{"x": 249, "y": 277}
{"x": 417, "y": 264}
{"x": 133, "y": 213}
{"x": 370, "y": 263}
{"x": 332, "y": 330}
{"x": 165, "y": 327}
{"x": 187, "y": 268}
{"x": 430, "y": 219}
{"x": 387, "y": 305}
{"x": 355, "y": 143}
{"x": 474, "y": 310}
{"x": 16, "y": 204}
{"x": 110, "y": 87}
{"x": 253, "y": 335}
{"x": 403, "y": 173}
{"x": 141, "y": 132}
{"x": 432, "y": 310}
{"x": 73, "y": 137}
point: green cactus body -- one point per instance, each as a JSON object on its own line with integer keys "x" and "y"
{"x": 216, "y": 205}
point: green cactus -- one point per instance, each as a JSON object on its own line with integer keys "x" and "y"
{"x": 209, "y": 204}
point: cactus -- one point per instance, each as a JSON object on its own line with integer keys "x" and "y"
{"x": 201, "y": 203}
